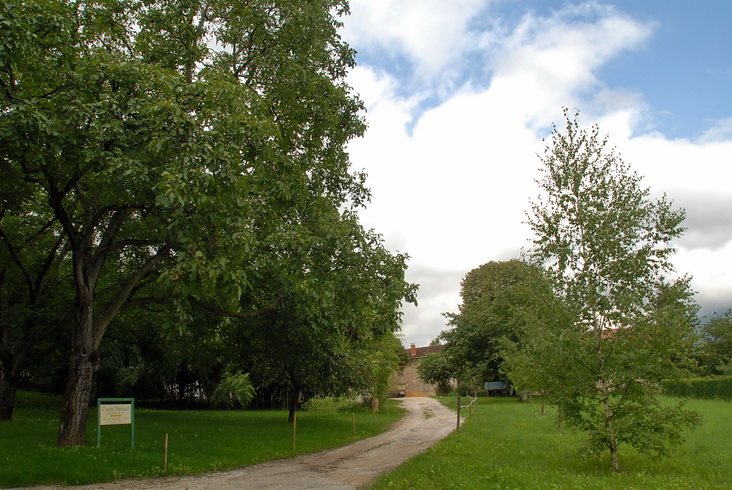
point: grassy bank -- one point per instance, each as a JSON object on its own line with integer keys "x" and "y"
{"x": 511, "y": 445}
{"x": 199, "y": 441}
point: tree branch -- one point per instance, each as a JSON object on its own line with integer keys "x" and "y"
{"x": 113, "y": 307}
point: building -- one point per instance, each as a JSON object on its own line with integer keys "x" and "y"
{"x": 407, "y": 379}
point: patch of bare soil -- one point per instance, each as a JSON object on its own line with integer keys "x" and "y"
{"x": 347, "y": 467}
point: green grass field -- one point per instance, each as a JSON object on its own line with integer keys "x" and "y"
{"x": 511, "y": 445}
{"x": 199, "y": 441}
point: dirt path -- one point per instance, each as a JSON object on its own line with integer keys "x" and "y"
{"x": 347, "y": 467}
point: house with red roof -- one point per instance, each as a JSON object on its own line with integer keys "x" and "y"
{"x": 407, "y": 379}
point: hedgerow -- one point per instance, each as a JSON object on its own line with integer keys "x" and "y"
{"x": 717, "y": 388}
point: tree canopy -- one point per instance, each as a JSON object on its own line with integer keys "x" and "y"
{"x": 617, "y": 320}
{"x": 195, "y": 146}
{"x": 486, "y": 316}
{"x": 716, "y": 344}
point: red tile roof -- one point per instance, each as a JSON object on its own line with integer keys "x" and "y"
{"x": 414, "y": 352}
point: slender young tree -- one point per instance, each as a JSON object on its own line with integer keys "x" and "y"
{"x": 617, "y": 321}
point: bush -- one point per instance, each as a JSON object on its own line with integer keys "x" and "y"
{"x": 716, "y": 388}
{"x": 234, "y": 389}
{"x": 330, "y": 404}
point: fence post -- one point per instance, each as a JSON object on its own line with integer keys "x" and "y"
{"x": 458, "y": 411}
{"x": 165, "y": 453}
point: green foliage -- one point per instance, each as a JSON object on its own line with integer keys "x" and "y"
{"x": 330, "y": 404}
{"x": 434, "y": 369}
{"x": 486, "y": 316}
{"x": 716, "y": 345}
{"x": 192, "y": 156}
{"x": 512, "y": 445}
{"x": 716, "y": 388}
{"x": 234, "y": 390}
{"x": 611, "y": 327}
{"x": 34, "y": 294}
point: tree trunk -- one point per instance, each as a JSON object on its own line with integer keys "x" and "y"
{"x": 612, "y": 444}
{"x": 72, "y": 431}
{"x": 614, "y": 461}
{"x": 8, "y": 387}
{"x": 374, "y": 403}
{"x": 83, "y": 364}
{"x": 293, "y": 404}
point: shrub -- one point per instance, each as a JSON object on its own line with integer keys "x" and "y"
{"x": 329, "y": 404}
{"x": 234, "y": 389}
{"x": 718, "y": 388}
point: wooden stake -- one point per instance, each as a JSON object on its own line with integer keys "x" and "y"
{"x": 353, "y": 422}
{"x": 165, "y": 454}
{"x": 294, "y": 432}
{"x": 458, "y": 412}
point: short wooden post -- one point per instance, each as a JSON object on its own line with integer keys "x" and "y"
{"x": 376, "y": 421}
{"x": 458, "y": 412}
{"x": 353, "y": 422}
{"x": 294, "y": 431}
{"x": 165, "y": 453}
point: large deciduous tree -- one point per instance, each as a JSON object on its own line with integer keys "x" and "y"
{"x": 180, "y": 142}
{"x": 618, "y": 321}
{"x": 346, "y": 303}
{"x": 489, "y": 297}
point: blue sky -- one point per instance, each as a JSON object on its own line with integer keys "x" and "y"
{"x": 689, "y": 52}
{"x": 685, "y": 68}
{"x": 460, "y": 94}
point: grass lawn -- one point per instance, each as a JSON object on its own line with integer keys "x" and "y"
{"x": 199, "y": 441}
{"x": 511, "y": 445}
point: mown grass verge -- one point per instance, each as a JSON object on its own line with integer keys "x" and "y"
{"x": 511, "y": 445}
{"x": 199, "y": 441}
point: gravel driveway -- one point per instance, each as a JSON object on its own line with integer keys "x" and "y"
{"x": 352, "y": 466}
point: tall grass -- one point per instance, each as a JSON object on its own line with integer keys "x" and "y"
{"x": 199, "y": 441}
{"x": 511, "y": 445}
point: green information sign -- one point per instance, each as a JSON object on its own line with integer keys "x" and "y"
{"x": 116, "y": 411}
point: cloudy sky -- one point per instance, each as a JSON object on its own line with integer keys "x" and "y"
{"x": 460, "y": 94}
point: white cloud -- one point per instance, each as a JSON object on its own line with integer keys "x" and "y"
{"x": 432, "y": 34}
{"x": 451, "y": 183}
{"x": 546, "y": 62}
{"x": 712, "y": 276}
{"x": 720, "y": 131}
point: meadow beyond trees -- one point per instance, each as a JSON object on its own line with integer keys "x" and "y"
{"x": 187, "y": 158}
{"x": 617, "y": 319}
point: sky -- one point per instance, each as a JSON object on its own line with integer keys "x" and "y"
{"x": 460, "y": 95}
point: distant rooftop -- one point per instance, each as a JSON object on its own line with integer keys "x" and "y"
{"x": 414, "y": 352}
